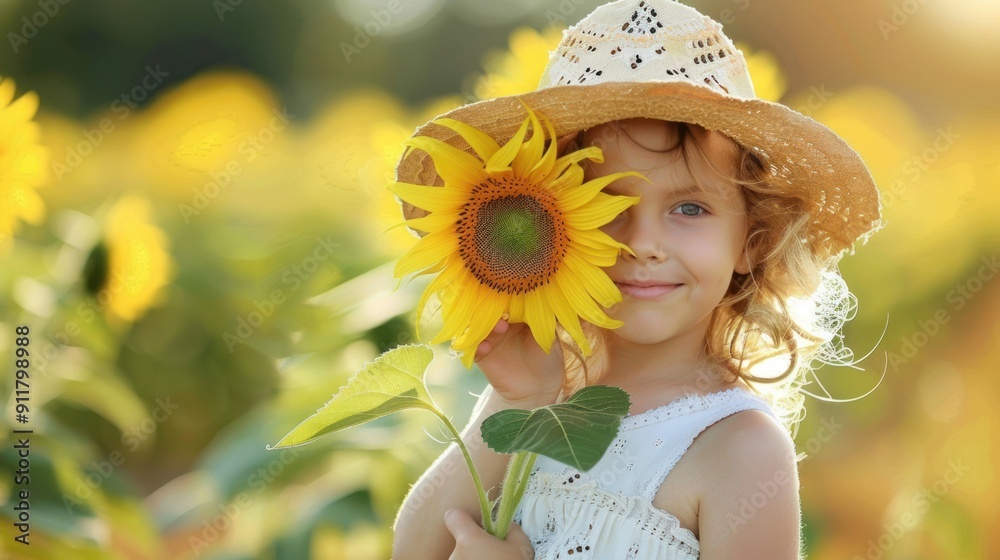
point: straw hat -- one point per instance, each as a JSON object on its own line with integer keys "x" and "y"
{"x": 664, "y": 60}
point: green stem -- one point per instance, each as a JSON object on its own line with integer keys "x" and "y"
{"x": 514, "y": 484}
{"x": 484, "y": 503}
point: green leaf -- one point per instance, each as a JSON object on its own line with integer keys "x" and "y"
{"x": 576, "y": 432}
{"x": 393, "y": 382}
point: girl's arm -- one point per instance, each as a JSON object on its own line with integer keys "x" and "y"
{"x": 420, "y": 531}
{"x": 521, "y": 375}
{"x": 750, "y": 506}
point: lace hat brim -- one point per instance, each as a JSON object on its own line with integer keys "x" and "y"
{"x": 798, "y": 152}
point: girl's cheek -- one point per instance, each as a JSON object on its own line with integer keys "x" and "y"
{"x": 612, "y": 228}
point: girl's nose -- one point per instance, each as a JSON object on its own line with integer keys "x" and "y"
{"x": 646, "y": 239}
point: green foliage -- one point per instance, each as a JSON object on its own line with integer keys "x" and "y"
{"x": 393, "y": 382}
{"x": 576, "y": 432}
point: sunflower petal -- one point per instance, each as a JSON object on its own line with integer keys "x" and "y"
{"x": 503, "y": 158}
{"x": 479, "y": 140}
{"x": 581, "y": 302}
{"x": 548, "y": 161}
{"x": 566, "y": 315}
{"x": 596, "y": 257}
{"x": 531, "y": 151}
{"x": 571, "y": 199}
{"x": 598, "y": 240}
{"x": 516, "y": 309}
{"x": 540, "y": 319}
{"x": 7, "y": 89}
{"x": 433, "y": 222}
{"x": 429, "y": 250}
{"x": 599, "y": 211}
{"x": 573, "y": 177}
{"x": 594, "y": 280}
{"x": 455, "y": 166}
{"x": 465, "y": 296}
{"x": 592, "y": 153}
{"x": 596, "y": 253}
{"x": 23, "y": 109}
{"x": 431, "y": 199}
{"x": 440, "y": 282}
{"x": 487, "y": 314}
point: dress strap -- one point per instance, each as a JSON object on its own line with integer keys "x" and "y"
{"x": 706, "y": 411}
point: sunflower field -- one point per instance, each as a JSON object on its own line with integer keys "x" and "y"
{"x": 197, "y": 249}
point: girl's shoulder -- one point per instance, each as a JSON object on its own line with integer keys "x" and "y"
{"x": 746, "y": 456}
{"x": 731, "y": 458}
{"x": 750, "y": 430}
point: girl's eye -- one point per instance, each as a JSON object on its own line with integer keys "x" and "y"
{"x": 692, "y": 209}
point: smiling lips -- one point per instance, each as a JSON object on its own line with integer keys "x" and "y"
{"x": 646, "y": 289}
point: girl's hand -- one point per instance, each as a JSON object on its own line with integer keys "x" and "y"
{"x": 473, "y": 543}
{"x": 520, "y": 372}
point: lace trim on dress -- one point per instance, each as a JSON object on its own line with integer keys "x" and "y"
{"x": 683, "y": 405}
{"x": 655, "y": 522}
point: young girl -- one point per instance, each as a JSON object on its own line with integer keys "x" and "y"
{"x": 735, "y": 240}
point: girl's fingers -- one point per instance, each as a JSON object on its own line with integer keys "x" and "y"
{"x": 483, "y": 349}
{"x": 459, "y": 523}
{"x": 517, "y": 537}
{"x": 487, "y": 344}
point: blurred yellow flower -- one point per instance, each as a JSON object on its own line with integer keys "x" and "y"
{"x": 138, "y": 264}
{"x": 518, "y": 69}
{"x": 769, "y": 81}
{"x": 210, "y": 129}
{"x": 878, "y": 125}
{"x": 349, "y": 152}
{"x": 23, "y": 162}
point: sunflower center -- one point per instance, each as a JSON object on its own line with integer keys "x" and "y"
{"x": 511, "y": 238}
{"x": 510, "y": 228}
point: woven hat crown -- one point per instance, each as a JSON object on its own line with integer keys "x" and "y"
{"x": 650, "y": 40}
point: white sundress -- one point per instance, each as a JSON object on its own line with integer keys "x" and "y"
{"x": 607, "y": 512}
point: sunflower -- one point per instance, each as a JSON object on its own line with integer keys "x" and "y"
{"x": 769, "y": 80}
{"x": 22, "y": 162}
{"x": 513, "y": 233}
{"x": 519, "y": 68}
{"x": 135, "y": 267}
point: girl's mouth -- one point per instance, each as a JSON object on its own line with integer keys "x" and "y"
{"x": 646, "y": 292}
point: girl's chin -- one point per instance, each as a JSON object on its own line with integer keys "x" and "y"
{"x": 643, "y": 333}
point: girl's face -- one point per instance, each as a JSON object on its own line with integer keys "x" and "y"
{"x": 687, "y": 243}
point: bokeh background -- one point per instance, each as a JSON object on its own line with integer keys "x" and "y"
{"x": 196, "y": 232}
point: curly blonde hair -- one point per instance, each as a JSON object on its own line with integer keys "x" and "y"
{"x": 791, "y": 305}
